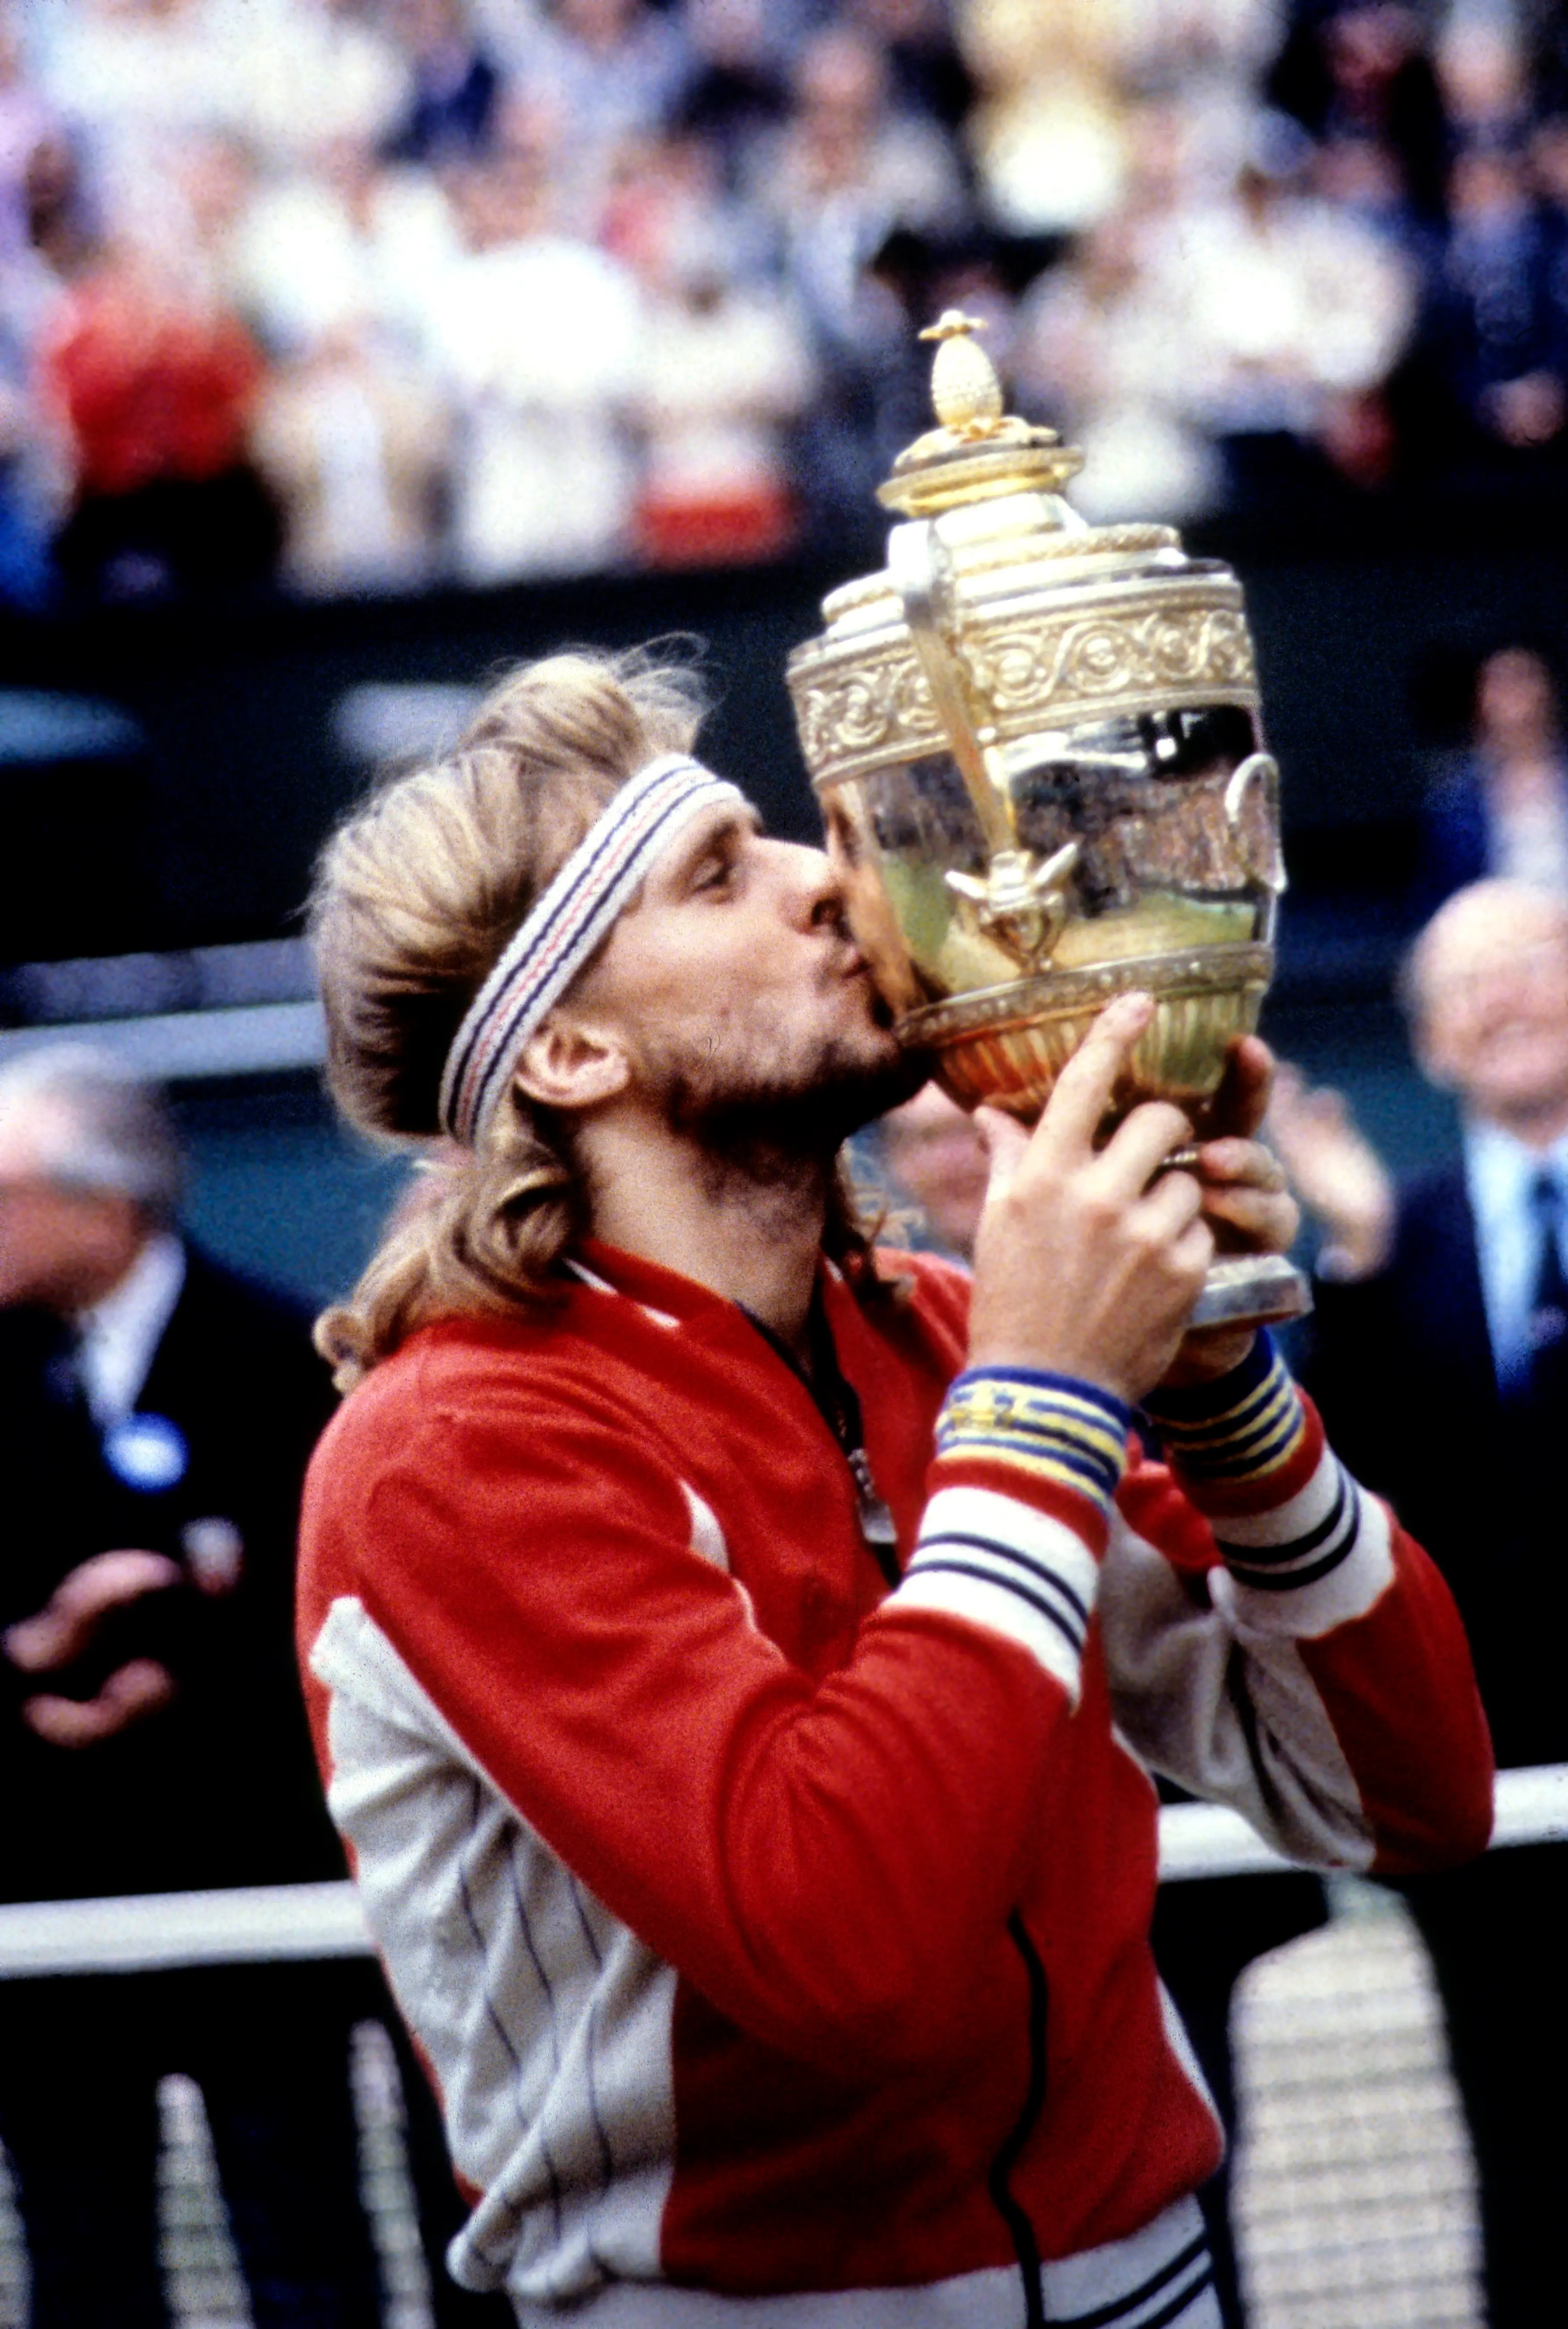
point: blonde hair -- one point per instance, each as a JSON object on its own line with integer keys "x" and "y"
{"x": 415, "y": 898}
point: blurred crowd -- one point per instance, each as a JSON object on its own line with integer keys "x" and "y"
{"x": 371, "y": 294}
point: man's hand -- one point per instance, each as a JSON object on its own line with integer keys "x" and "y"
{"x": 1337, "y": 1174}
{"x": 66, "y": 1626}
{"x": 1087, "y": 1261}
{"x": 1245, "y": 1198}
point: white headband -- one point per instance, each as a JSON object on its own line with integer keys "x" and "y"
{"x": 563, "y": 928}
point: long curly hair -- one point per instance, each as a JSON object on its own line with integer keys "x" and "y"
{"x": 416, "y": 896}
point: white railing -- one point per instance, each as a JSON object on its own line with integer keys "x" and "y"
{"x": 253, "y": 1923}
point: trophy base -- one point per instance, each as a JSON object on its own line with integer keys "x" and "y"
{"x": 1252, "y": 1289}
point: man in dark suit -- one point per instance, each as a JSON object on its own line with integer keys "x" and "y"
{"x": 156, "y": 1414}
{"x": 1442, "y": 1325}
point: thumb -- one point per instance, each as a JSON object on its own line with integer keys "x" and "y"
{"x": 1004, "y": 1140}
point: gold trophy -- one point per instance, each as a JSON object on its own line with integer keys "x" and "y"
{"x": 1038, "y": 748}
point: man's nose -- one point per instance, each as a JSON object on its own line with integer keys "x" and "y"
{"x": 813, "y": 890}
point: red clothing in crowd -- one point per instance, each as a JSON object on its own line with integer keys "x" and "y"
{"x": 152, "y": 387}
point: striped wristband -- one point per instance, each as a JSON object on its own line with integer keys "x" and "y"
{"x": 1027, "y": 1467}
{"x": 1060, "y": 1432}
{"x": 1238, "y": 1430}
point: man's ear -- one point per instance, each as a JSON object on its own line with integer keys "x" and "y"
{"x": 571, "y": 1063}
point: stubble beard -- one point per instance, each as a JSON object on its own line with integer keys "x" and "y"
{"x": 779, "y": 1130}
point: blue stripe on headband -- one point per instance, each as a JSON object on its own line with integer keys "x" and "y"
{"x": 557, "y": 937}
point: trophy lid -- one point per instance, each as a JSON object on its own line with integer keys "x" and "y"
{"x": 977, "y": 452}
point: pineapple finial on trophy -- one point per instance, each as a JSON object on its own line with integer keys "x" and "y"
{"x": 965, "y": 392}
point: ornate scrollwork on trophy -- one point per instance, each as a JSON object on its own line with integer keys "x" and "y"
{"x": 860, "y": 706}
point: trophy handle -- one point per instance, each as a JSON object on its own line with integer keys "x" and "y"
{"x": 1020, "y": 902}
{"x": 920, "y": 568}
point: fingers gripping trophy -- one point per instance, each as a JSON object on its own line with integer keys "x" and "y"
{"x": 1037, "y": 748}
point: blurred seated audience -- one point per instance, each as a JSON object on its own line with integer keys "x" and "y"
{"x": 1290, "y": 317}
{"x": 602, "y": 72}
{"x": 860, "y": 197}
{"x": 307, "y": 72}
{"x": 350, "y": 239}
{"x": 1503, "y": 808}
{"x": 155, "y": 383}
{"x": 26, "y": 119}
{"x": 847, "y": 166}
{"x": 741, "y": 52}
{"x": 925, "y": 66}
{"x": 533, "y": 333}
{"x": 354, "y": 446}
{"x": 1494, "y": 343}
{"x": 156, "y": 1414}
{"x": 1094, "y": 353}
{"x": 723, "y": 369}
{"x": 1482, "y": 72}
{"x": 1442, "y": 1323}
{"x": 451, "y": 105}
{"x": 1303, "y": 263}
{"x": 1204, "y": 1934}
{"x": 1359, "y": 77}
{"x": 1048, "y": 132}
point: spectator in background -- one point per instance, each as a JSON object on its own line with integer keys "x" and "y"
{"x": 1360, "y": 80}
{"x": 1483, "y": 81}
{"x": 932, "y": 1157}
{"x": 848, "y": 167}
{"x": 723, "y": 369}
{"x": 1048, "y": 132}
{"x": 1441, "y": 1321}
{"x": 1205, "y": 60}
{"x": 347, "y": 239}
{"x": 32, "y": 468}
{"x": 155, "y": 383}
{"x": 1495, "y": 335}
{"x": 925, "y": 67}
{"x": 1205, "y": 1935}
{"x": 534, "y": 335}
{"x": 309, "y": 71}
{"x": 739, "y": 89}
{"x": 354, "y": 445}
{"x": 1549, "y": 174}
{"x": 1099, "y": 348}
{"x": 155, "y": 1415}
{"x": 1292, "y": 317}
{"x": 352, "y": 431}
{"x": 602, "y": 72}
{"x": 26, "y": 119}
{"x": 1504, "y": 809}
{"x": 859, "y": 198}
{"x": 451, "y": 106}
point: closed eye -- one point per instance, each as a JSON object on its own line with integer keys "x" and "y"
{"x": 717, "y": 868}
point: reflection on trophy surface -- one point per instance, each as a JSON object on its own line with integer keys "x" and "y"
{"x": 1037, "y": 750}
